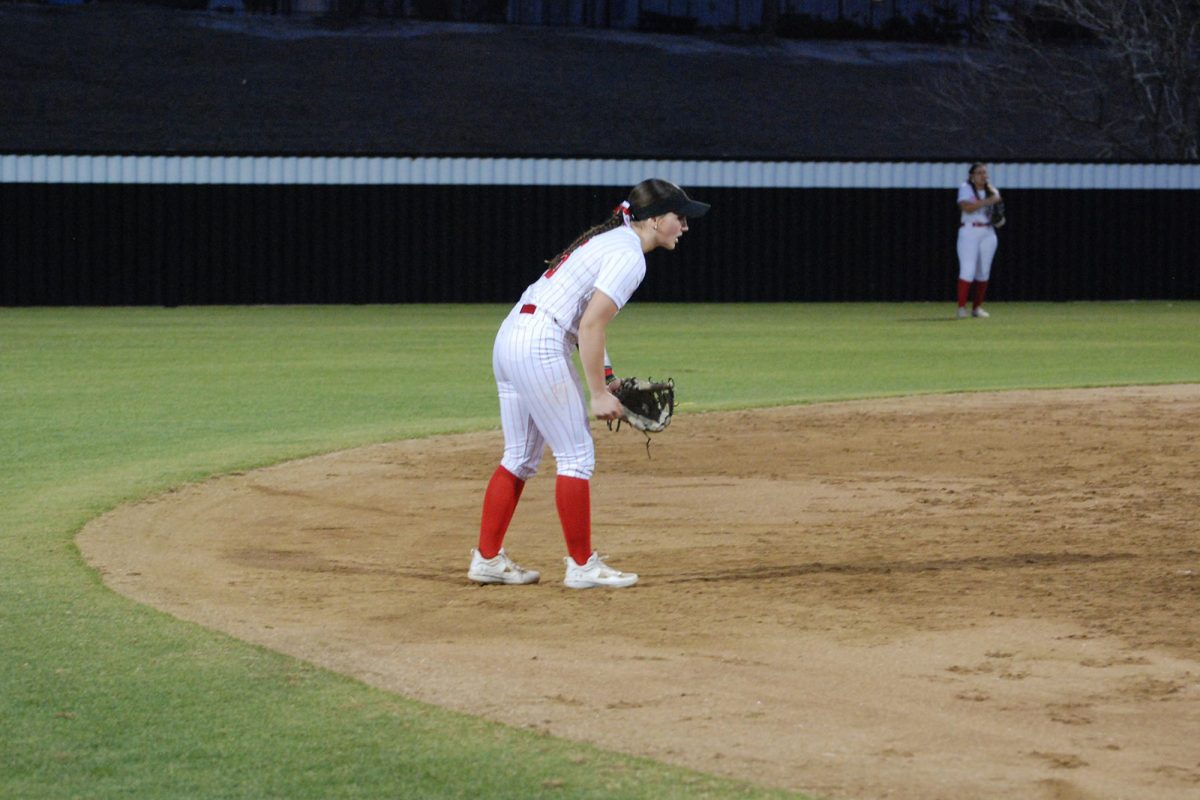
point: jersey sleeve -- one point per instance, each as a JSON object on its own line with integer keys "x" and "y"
{"x": 965, "y": 192}
{"x": 620, "y": 276}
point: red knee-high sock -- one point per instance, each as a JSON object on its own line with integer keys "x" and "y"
{"x": 980, "y": 291}
{"x": 499, "y": 503}
{"x": 963, "y": 288}
{"x": 574, "y": 500}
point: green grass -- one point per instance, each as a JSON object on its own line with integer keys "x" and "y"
{"x": 100, "y": 697}
{"x": 738, "y": 356}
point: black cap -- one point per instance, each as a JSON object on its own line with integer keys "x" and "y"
{"x": 676, "y": 201}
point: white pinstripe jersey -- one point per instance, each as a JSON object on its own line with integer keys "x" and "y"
{"x": 612, "y": 262}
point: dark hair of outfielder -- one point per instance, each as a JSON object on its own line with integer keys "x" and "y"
{"x": 971, "y": 172}
{"x": 645, "y": 194}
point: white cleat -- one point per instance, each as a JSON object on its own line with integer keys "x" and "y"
{"x": 595, "y": 573}
{"x": 962, "y": 312}
{"x": 979, "y": 312}
{"x": 500, "y": 569}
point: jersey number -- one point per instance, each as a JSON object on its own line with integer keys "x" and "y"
{"x": 550, "y": 272}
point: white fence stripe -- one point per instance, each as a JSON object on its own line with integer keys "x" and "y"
{"x": 389, "y": 171}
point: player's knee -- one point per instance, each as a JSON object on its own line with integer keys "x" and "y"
{"x": 576, "y": 465}
{"x": 575, "y": 470}
{"x": 523, "y": 469}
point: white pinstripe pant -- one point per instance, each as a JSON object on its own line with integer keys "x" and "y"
{"x": 541, "y": 397}
{"x": 976, "y": 249}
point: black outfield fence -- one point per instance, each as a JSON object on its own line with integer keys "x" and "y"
{"x": 195, "y": 243}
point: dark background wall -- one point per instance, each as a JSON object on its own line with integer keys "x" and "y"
{"x": 131, "y": 78}
{"x": 105, "y": 244}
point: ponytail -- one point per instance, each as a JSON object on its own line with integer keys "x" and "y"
{"x": 618, "y": 218}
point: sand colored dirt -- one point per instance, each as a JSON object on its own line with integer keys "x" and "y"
{"x": 962, "y": 596}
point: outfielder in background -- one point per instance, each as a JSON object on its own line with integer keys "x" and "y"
{"x": 541, "y": 396}
{"x": 977, "y": 241}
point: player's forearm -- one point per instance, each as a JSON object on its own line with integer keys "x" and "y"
{"x": 973, "y": 206}
{"x": 591, "y": 356}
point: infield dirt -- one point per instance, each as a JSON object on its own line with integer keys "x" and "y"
{"x": 960, "y": 596}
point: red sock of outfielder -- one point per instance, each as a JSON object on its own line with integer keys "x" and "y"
{"x": 963, "y": 288}
{"x": 980, "y": 291}
{"x": 499, "y": 503}
{"x": 574, "y": 500}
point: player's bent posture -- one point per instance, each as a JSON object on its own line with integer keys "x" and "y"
{"x": 976, "y": 238}
{"x": 541, "y": 396}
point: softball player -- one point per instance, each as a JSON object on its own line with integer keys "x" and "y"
{"x": 976, "y": 238}
{"x": 541, "y": 395}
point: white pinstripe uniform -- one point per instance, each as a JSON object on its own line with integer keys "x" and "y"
{"x": 541, "y": 395}
{"x": 977, "y": 239}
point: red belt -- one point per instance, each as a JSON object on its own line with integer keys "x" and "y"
{"x": 975, "y": 224}
{"x": 528, "y": 308}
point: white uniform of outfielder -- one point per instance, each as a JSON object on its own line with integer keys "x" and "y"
{"x": 541, "y": 397}
{"x": 976, "y": 239}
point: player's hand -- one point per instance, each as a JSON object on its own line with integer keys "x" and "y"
{"x": 614, "y": 385}
{"x": 606, "y": 407}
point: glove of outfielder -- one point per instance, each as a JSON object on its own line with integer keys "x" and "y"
{"x": 998, "y": 219}
{"x": 648, "y": 405}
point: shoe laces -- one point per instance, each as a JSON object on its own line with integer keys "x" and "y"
{"x": 601, "y": 565}
{"x": 500, "y": 560}
{"x": 508, "y": 563}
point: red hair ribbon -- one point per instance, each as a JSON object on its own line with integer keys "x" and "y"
{"x": 623, "y": 209}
